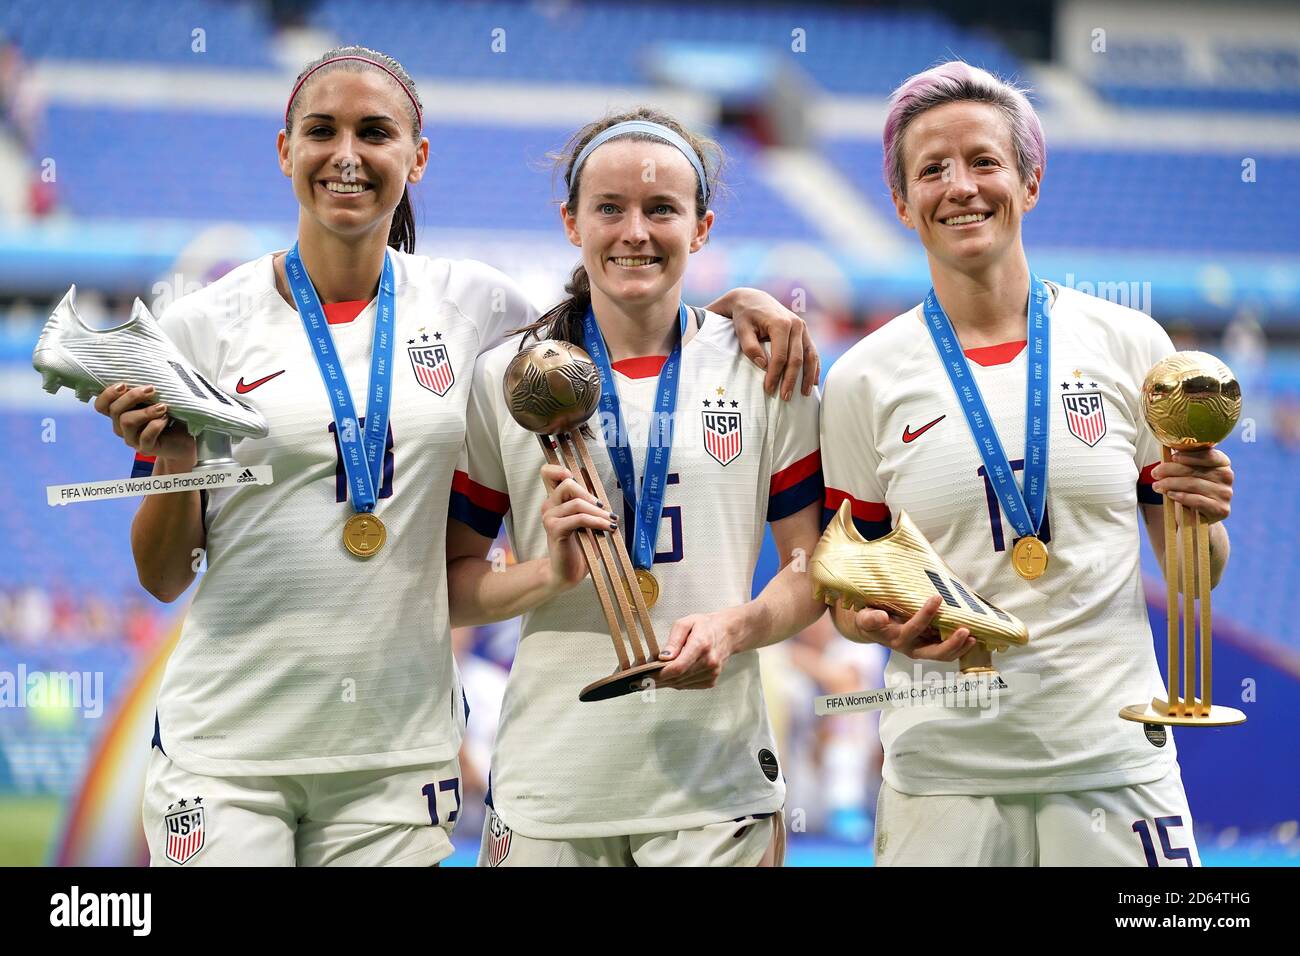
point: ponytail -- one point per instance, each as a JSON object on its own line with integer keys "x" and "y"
{"x": 401, "y": 234}
{"x": 564, "y": 322}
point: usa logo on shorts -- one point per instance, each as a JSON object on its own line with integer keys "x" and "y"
{"x": 432, "y": 367}
{"x": 184, "y": 834}
{"x": 499, "y": 842}
{"x": 1085, "y": 415}
{"x": 722, "y": 436}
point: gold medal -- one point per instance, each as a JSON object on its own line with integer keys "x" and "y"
{"x": 1029, "y": 558}
{"x": 364, "y": 534}
{"x": 649, "y": 587}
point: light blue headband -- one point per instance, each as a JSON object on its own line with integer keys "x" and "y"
{"x": 658, "y": 131}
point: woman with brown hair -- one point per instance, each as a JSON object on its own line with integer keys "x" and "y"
{"x": 698, "y": 460}
{"x": 311, "y": 713}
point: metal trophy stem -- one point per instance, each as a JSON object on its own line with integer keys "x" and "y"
{"x": 214, "y": 451}
{"x": 551, "y": 389}
{"x": 1187, "y": 556}
{"x": 978, "y": 660}
{"x": 612, "y": 573}
{"x": 1191, "y": 400}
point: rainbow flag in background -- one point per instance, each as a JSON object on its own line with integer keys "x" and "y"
{"x": 102, "y": 826}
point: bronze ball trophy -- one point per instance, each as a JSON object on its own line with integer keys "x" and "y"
{"x": 551, "y": 389}
{"x": 1190, "y": 401}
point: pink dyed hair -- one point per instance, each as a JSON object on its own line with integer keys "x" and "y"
{"x": 954, "y": 82}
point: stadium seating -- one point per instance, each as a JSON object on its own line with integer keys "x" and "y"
{"x": 1160, "y": 75}
{"x": 1150, "y": 200}
{"x": 82, "y": 547}
{"x": 497, "y": 177}
{"x": 479, "y": 177}
{"x": 1258, "y": 589}
{"x": 1094, "y": 198}
{"x": 234, "y": 34}
{"x": 846, "y": 51}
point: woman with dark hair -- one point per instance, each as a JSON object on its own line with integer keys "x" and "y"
{"x": 698, "y": 460}
{"x": 311, "y": 713}
{"x": 999, "y": 372}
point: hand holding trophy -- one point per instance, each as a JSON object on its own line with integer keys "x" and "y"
{"x": 551, "y": 389}
{"x": 70, "y": 354}
{"x": 899, "y": 573}
{"x": 1191, "y": 401}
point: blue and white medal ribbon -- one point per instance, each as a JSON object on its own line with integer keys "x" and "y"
{"x": 1023, "y": 509}
{"x": 646, "y": 503}
{"x": 363, "y": 455}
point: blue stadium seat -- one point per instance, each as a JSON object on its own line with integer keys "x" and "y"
{"x": 1258, "y": 588}
{"x": 182, "y": 165}
{"x": 234, "y": 35}
{"x": 865, "y": 51}
{"x": 1112, "y": 199}
{"x": 82, "y": 546}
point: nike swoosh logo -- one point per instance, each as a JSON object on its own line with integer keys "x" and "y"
{"x": 243, "y": 389}
{"x": 911, "y": 436}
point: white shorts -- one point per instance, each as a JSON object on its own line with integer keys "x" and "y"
{"x": 395, "y": 817}
{"x": 1147, "y": 824}
{"x": 749, "y": 841}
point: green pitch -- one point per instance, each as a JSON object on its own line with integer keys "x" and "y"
{"x": 28, "y": 827}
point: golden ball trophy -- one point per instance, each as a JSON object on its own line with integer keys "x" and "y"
{"x": 551, "y": 389}
{"x": 1191, "y": 401}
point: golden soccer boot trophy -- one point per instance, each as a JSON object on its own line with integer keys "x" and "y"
{"x": 898, "y": 573}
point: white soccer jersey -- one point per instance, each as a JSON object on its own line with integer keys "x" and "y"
{"x": 676, "y": 759}
{"x": 895, "y": 439}
{"x": 297, "y": 657}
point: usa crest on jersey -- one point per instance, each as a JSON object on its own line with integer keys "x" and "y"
{"x": 1085, "y": 416}
{"x": 499, "y": 841}
{"x": 722, "y": 436}
{"x": 432, "y": 366}
{"x": 184, "y": 834}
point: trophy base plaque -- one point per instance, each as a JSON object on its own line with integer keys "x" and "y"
{"x": 1195, "y": 714}
{"x": 621, "y": 683}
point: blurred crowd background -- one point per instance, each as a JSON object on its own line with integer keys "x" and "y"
{"x": 137, "y": 159}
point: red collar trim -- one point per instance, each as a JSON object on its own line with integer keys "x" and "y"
{"x": 996, "y": 354}
{"x": 337, "y": 313}
{"x": 642, "y": 366}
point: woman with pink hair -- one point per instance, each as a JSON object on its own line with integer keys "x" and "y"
{"x": 1000, "y": 372}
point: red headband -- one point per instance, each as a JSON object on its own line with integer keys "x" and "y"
{"x": 419, "y": 116}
